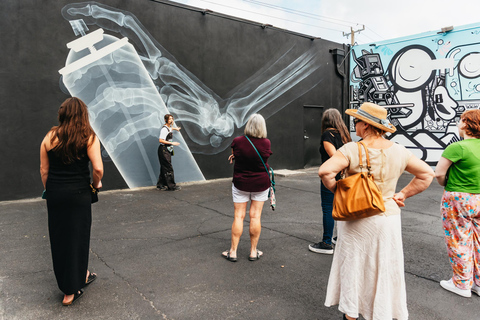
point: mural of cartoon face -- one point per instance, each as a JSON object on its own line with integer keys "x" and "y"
{"x": 469, "y": 65}
{"x": 433, "y": 79}
{"x": 412, "y": 69}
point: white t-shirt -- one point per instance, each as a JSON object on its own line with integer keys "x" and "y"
{"x": 164, "y": 132}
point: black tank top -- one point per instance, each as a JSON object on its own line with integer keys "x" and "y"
{"x": 76, "y": 172}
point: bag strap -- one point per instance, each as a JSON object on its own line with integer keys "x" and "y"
{"x": 366, "y": 155}
{"x": 360, "y": 156}
{"x": 272, "y": 180}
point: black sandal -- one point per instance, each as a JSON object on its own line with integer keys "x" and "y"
{"x": 91, "y": 277}
{"x": 227, "y": 256}
{"x": 259, "y": 254}
{"x": 76, "y": 296}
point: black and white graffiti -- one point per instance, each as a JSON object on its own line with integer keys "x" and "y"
{"x": 424, "y": 83}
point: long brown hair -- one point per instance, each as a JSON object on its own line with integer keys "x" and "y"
{"x": 333, "y": 119}
{"x": 73, "y": 132}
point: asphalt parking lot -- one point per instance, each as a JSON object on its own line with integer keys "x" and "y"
{"x": 158, "y": 256}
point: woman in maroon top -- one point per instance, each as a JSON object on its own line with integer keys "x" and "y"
{"x": 250, "y": 182}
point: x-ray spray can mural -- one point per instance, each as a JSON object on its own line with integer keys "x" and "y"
{"x": 126, "y": 111}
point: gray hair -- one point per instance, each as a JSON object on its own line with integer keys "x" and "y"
{"x": 256, "y": 126}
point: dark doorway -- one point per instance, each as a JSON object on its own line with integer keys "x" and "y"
{"x": 312, "y": 132}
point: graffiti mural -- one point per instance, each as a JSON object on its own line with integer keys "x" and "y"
{"x": 426, "y": 82}
{"x": 128, "y": 91}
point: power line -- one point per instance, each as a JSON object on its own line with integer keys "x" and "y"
{"x": 311, "y": 15}
{"x": 376, "y": 33}
{"x": 287, "y": 10}
{"x": 297, "y": 13}
{"x": 363, "y": 34}
{"x": 265, "y": 15}
{"x": 302, "y": 13}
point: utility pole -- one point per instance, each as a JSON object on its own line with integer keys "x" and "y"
{"x": 352, "y": 34}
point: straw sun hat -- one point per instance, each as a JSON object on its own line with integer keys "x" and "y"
{"x": 374, "y": 115}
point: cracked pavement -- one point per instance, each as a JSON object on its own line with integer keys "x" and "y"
{"x": 158, "y": 256}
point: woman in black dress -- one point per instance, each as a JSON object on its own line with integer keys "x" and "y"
{"x": 65, "y": 154}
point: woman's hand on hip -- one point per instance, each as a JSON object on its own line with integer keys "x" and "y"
{"x": 399, "y": 198}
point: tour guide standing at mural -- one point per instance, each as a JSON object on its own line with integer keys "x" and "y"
{"x": 166, "y": 180}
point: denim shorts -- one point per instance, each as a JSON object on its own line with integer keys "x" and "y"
{"x": 240, "y": 196}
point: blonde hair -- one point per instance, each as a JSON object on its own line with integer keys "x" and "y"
{"x": 256, "y": 127}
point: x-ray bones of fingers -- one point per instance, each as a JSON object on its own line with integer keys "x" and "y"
{"x": 209, "y": 121}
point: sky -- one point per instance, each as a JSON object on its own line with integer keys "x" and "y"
{"x": 334, "y": 19}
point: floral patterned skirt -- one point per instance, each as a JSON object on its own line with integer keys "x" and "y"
{"x": 461, "y": 223}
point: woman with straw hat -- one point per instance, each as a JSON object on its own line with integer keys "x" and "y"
{"x": 367, "y": 274}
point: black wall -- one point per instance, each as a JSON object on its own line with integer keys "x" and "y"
{"x": 221, "y": 51}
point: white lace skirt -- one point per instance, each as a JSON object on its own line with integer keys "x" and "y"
{"x": 367, "y": 274}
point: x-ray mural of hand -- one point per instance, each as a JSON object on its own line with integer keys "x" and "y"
{"x": 124, "y": 105}
{"x": 209, "y": 121}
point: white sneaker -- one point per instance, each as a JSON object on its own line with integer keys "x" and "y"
{"x": 448, "y": 285}
{"x": 476, "y": 289}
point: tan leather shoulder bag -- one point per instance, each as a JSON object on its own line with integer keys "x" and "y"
{"x": 358, "y": 196}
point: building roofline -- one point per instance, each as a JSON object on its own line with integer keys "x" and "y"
{"x": 225, "y": 16}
